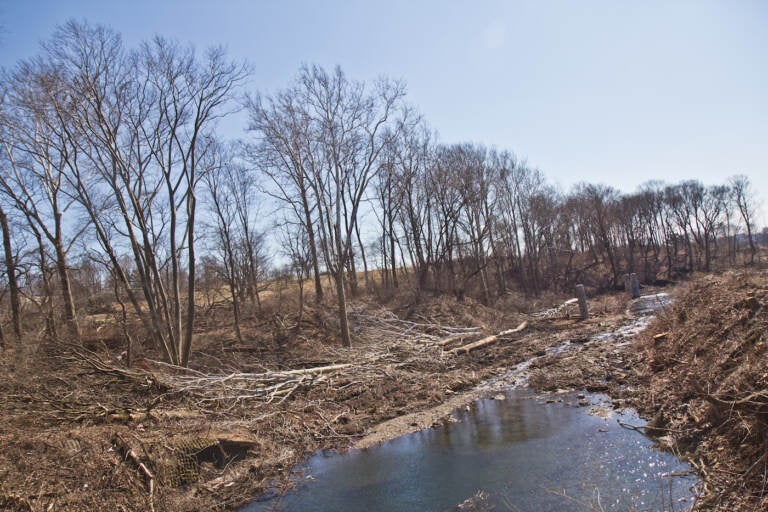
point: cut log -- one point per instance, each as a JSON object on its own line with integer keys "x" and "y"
{"x": 487, "y": 340}
{"x": 581, "y": 295}
{"x": 457, "y": 336}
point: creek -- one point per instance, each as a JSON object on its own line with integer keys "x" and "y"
{"x": 519, "y": 451}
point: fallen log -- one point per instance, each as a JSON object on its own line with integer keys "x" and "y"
{"x": 267, "y": 386}
{"x": 487, "y": 340}
{"x": 457, "y": 336}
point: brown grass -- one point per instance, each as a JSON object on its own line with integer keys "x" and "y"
{"x": 703, "y": 378}
{"x": 69, "y": 413}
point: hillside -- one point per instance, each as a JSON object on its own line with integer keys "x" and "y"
{"x": 703, "y": 379}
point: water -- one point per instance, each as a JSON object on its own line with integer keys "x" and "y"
{"x": 523, "y": 453}
{"x": 641, "y": 310}
{"x": 648, "y": 304}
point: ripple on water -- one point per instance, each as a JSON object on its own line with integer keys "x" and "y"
{"x": 524, "y": 454}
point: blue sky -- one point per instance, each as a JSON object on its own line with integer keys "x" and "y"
{"x": 616, "y": 92}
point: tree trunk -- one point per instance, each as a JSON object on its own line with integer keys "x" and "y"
{"x": 346, "y": 340}
{"x": 384, "y": 260}
{"x": 70, "y": 313}
{"x": 752, "y": 249}
{"x": 186, "y": 346}
{"x": 235, "y": 307}
{"x": 392, "y": 257}
{"x": 707, "y": 250}
{"x": 352, "y": 272}
{"x": 13, "y": 287}
{"x": 301, "y": 304}
{"x": 362, "y": 256}
{"x": 312, "y": 248}
{"x": 50, "y": 321}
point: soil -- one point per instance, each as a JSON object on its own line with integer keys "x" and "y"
{"x": 80, "y": 431}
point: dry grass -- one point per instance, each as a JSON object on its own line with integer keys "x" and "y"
{"x": 703, "y": 378}
{"x": 217, "y": 435}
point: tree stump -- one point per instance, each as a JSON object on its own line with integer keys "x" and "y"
{"x": 581, "y": 294}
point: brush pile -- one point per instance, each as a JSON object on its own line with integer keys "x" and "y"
{"x": 703, "y": 378}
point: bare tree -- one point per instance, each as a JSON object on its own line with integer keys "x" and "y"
{"x": 39, "y": 154}
{"x": 231, "y": 189}
{"x": 507, "y": 183}
{"x": 10, "y": 272}
{"x": 243, "y": 186}
{"x": 353, "y": 126}
{"x": 744, "y": 198}
{"x": 319, "y": 142}
{"x": 295, "y": 245}
{"x": 220, "y": 181}
{"x": 286, "y": 153}
{"x": 143, "y": 123}
{"x": 391, "y": 190}
{"x": 411, "y": 158}
{"x": 9, "y": 258}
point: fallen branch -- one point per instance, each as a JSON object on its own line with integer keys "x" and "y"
{"x": 557, "y": 311}
{"x": 317, "y": 369}
{"x": 128, "y": 453}
{"x": 266, "y": 386}
{"x": 488, "y": 340}
{"x": 459, "y": 335}
{"x": 629, "y": 426}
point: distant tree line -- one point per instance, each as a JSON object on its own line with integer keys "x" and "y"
{"x": 113, "y": 179}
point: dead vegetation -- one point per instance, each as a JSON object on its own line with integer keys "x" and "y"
{"x": 702, "y": 376}
{"x": 80, "y": 431}
{"x": 699, "y": 373}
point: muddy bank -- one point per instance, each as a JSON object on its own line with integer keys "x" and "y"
{"x": 579, "y": 360}
{"x": 699, "y": 373}
{"x": 76, "y": 427}
{"x": 702, "y": 377}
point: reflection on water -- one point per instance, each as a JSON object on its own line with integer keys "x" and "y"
{"x": 523, "y": 453}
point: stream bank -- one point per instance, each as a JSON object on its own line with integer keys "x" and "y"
{"x": 68, "y": 417}
{"x": 208, "y": 451}
{"x": 518, "y": 451}
{"x": 524, "y": 450}
{"x": 587, "y": 360}
{"x": 77, "y": 427}
{"x": 699, "y": 374}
